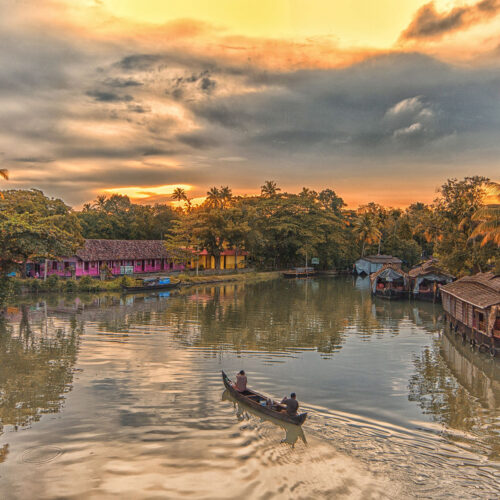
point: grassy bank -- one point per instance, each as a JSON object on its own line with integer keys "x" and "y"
{"x": 188, "y": 280}
{"x": 86, "y": 284}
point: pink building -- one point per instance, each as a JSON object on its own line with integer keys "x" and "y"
{"x": 119, "y": 256}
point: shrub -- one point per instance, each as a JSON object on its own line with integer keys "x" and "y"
{"x": 87, "y": 284}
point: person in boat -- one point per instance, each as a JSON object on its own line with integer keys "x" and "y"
{"x": 241, "y": 381}
{"x": 292, "y": 405}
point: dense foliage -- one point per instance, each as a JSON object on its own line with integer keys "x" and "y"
{"x": 33, "y": 227}
{"x": 276, "y": 228}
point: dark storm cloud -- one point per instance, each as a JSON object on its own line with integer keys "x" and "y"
{"x": 428, "y": 23}
{"x": 104, "y": 96}
{"x": 122, "y": 82}
{"x": 387, "y": 104}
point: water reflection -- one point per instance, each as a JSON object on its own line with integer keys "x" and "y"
{"x": 292, "y": 432}
{"x": 381, "y": 383}
{"x": 36, "y": 366}
{"x": 459, "y": 388}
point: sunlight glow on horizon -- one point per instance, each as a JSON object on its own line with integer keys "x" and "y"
{"x": 138, "y": 192}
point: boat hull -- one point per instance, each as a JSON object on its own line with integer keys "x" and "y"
{"x": 280, "y": 415}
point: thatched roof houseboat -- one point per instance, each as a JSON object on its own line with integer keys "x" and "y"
{"x": 390, "y": 282}
{"x": 472, "y": 306}
{"x": 372, "y": 263}
{"x": 426, "y": 280}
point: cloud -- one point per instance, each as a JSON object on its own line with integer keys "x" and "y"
{"x": 81, "y": 114}
{"x": 428, "y": 23}
{"x": 104, "y": 96}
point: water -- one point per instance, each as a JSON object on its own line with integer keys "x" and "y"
{"x": 121, "y": 397}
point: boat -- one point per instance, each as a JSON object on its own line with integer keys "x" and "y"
{"x": 293, "y": 432}
{"x": 300, "y": 272}
{"x": 258, "y": 402}
{"x": 150, "y": 284}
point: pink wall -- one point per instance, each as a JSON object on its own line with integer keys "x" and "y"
{"x": 64, "y": 268}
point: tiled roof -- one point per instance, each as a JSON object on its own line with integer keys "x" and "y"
{"x": 430, "y": 266}
{"x": 381, "y": 259}
{"x": 122, "y": 250}
{"x": 481, "y": 290}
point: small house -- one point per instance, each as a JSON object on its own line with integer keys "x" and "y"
{"x": 390, "y": 282}
{"x": 114, "y": 257}
{"x": 372, "y": 263}
{"x": 427, "y": 279}
{"x": 472, "y": 308}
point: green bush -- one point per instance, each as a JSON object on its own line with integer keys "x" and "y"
{"x": 52, "y": 283}
{"x": 70, "y": 286}
{"x": 87, "y": 284}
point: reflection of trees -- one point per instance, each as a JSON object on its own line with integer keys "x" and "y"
{"x": 35, "y": 370}
{"x": 459, "y": 389}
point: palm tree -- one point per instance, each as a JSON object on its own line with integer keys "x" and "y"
{"x": 226, "y": 195}
{"x": 5, "y": 174}
{"x": 213, "y": 198}
{"x": 488, "y": 217}
{"x": 269, "y": 189}
{"x": 366, "y": 229}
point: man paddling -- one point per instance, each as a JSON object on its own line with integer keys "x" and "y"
{"x": 292, "y": 405}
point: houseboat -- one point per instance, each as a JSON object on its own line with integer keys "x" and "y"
{"x": 472, "y": 308}
{"x": 427, "y": 279}
{"x": 372, "y": 263}
{"x": 390, "y": 282}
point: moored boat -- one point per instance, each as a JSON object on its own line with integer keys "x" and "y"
{"x": 150, "y": 284}
{"x": 258, "y": 402}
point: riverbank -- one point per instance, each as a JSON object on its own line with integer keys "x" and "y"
{"x": 54, "y": 284}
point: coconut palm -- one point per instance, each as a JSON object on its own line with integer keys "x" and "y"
{"x": 269, "y": 189}
{"x": 366, "y": 230}
{"x": 213, "y": 199}
{"x": 5, "y": 174}
{"x": 488, "y": 217}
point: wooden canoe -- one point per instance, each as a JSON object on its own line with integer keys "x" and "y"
{"x": 152, "y": 286}
{"x": 253, "y": 399}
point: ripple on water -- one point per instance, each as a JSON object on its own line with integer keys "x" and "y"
{"x": 41, "y": 454}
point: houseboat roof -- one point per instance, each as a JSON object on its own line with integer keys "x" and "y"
{"x": 481, "y": 290}
{"x": 381, "y": 259}
{"x": 430, "y": 266}
{"x": 389, "y": 271}
{"x": 93, "y": 250}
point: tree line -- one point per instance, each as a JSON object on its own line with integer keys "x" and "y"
{"x": 277, "y": 229}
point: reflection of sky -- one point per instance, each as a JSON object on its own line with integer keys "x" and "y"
{"x": 146, "y": 400}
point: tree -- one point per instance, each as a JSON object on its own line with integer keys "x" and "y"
{"x": 365, "y": 228}
{"x": 33, "y": 226}
{"x": 488, "y": 217}
{"x": 269, "y": 189}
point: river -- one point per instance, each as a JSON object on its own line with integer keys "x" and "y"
{"x": 114, "y": 396}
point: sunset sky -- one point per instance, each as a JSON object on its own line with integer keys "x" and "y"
{"x": 380, "y": 101}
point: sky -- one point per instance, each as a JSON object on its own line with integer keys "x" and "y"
{"x": 380, "y": 101}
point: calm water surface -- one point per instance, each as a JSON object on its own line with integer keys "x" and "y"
{"x": 121, "y": 397}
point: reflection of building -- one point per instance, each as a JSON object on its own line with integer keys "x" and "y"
{"x": 427, "y": 279}
{"x": 472, "y": 306}
{"x": 372, "y": 263}
{"x": 480, "y": 376}
{"x": 390, "y": 282}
